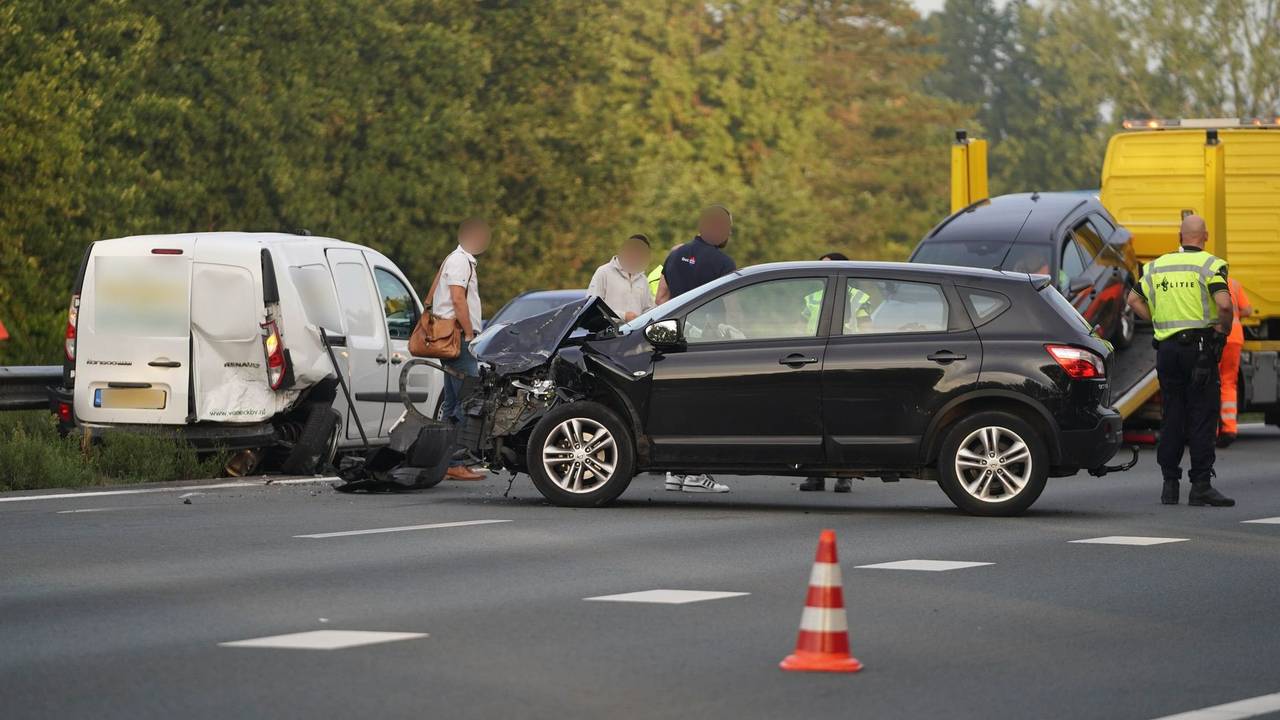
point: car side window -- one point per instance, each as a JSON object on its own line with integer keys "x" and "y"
{"x": 984, "y": 305}
{"x": 1072, "y": 264}
{"x": 769, "y": 310}
{"x": 1090, "y": 241}
{"x": 397, "y": 305}
{"x": 892, "y": 306}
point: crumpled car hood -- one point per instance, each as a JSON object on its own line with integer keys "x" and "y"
{"x": 528, "y": 343}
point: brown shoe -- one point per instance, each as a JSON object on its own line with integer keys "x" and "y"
{"x": 461, "y": 472}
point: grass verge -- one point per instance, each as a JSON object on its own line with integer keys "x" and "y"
{"x": 34, "y": 457}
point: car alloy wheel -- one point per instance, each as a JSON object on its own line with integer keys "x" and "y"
{"x": 993, "y": 464}
{"x": 579, "y": 455}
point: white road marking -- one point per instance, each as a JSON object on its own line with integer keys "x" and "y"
{"x": 405, "y": 528}
{"x": 324, "y": 640}
{"x": 104, "y": 509}
{"x": 925, "y": 565}
{"x": 1237, "y": 710}
{"x": 1129, "y": 540}
{"x": 667, "y": 597}
{"x": 1265, "y": 521}
{"x": 147, "y": 491}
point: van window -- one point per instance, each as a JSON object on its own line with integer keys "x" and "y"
{"x": 397, "y": 305}
{"x": 315, "y": 290}
{"x": 140, "y": 297}
{"x": 223, "y": 302}
{"x": 356, "y": 298}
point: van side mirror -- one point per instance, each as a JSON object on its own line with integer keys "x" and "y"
{"x": 664, "y": 334}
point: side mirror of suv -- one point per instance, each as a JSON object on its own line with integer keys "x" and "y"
{"x": 664, "y": 334}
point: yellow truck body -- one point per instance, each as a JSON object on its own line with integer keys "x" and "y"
{"x": 1150, "y": 177}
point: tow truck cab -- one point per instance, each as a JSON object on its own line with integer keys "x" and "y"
{"x": 1227, "y": 171}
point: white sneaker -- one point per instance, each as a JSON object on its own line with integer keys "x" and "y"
{"x": 702, "y": 484}
{"x": 673, "y": 482}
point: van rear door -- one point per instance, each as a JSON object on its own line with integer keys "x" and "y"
{"x": 133, "y": 346}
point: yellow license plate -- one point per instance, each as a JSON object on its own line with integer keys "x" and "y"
{"x": 129, "y": 398}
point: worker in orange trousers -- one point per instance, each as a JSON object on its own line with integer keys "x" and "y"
{"x": 1229, "y": 365}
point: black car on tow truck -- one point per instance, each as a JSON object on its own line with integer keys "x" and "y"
{"x": 985, "y": 382}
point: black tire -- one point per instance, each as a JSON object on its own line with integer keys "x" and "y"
{"x": 317, "y": 443}
{"x": 996, "y": 497}
{"x": 1126, "y": 328}
{"x": 1271, "y": 417}
{"x": 552, "y": 433}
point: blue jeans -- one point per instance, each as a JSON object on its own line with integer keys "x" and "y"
{"x": 451, "y": 408}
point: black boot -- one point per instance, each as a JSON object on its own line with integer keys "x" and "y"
{"x": 1169, "y": 496}
{"x": 843, "y": 485}
{"x": 1202, "y": 493}
{"x": 813, "y": 484}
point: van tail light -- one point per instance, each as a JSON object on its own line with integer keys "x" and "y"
{"x": 277, "y": 360}
{"x": 73, "y": 313}
{"x": 64, "y": 412}
{"x": 1079, "y": 363}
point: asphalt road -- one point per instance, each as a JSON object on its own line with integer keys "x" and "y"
{"x": 117, "y": 605}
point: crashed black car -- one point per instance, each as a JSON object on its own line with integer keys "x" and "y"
{"x": 986, "y": 382}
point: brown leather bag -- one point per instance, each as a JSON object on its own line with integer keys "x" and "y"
{"x": 435, "y": 336}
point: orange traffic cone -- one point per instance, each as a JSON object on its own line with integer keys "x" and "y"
{"x": 823, "y": 644}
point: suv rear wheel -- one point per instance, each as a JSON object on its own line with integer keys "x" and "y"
{"x": 581, "y": 455}
{"x": 993, "y": 463}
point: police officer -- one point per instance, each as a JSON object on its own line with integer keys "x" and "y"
{"x": 1184, "y": 295}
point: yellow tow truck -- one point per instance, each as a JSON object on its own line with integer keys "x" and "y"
{"x": 1226, "y": 170}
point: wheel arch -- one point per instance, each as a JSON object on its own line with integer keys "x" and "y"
{"x": 981, "y": 400}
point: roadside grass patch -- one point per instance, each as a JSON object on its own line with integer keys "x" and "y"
{"x": 34, "y": 457}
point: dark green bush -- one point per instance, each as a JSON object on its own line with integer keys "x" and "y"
{"x": 33, "y": 456}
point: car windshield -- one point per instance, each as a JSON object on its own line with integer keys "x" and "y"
{"x": 526, "y": 306}
{"x": 1031, "y": 258}
{"x": 672, "y": 307}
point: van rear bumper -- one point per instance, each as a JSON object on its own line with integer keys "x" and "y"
{"x": 201, "y": 436}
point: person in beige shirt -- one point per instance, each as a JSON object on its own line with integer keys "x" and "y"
{"x": 622, "y": 283}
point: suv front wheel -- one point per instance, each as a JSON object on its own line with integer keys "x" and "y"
{"x": 581, "y": 455}
{"x": 993, "y": 463}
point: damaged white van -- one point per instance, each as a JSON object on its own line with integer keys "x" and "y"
{"x": 217, "y": 338}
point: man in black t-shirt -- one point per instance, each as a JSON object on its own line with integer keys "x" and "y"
{"x": 700, "y": 260}
{"x": 690, "y": 266}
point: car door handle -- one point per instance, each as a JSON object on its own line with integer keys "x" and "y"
{"x": 397, "y": 358}
{"x": 942, "y": 357}
{"x": 381, "y": 359}
{"x": 797, "y": 360}
{"x": 165, "y": 363}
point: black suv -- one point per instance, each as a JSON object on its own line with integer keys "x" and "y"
{"x": 986, "y": 382}
{"x": 1068, "y": 236}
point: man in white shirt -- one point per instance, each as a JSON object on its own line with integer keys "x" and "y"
{"x": 457, "y": 295}
{"x": 621, "y": 282}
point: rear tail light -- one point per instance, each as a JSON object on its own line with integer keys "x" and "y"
{"x": 73, "y": 313}
{"x": 1079, "y": 363}
{"x": 64, "y": 412}
{"x": 277, "y": 361}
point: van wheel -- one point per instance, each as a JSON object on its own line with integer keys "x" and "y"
{"x": 993, "y": 463}
{"x": 317, "y": 443}
{"x": 1126, "y": 328}
{"x": 581, "y": 455}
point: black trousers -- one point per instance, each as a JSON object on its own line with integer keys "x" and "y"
{"x": 1190, "y": 412}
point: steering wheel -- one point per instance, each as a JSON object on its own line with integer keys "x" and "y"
{"x": 729, "y": 332}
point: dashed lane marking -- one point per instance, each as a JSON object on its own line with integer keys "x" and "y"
{"x": 924, "y": 565}
{"x": 667, "y": 597}
{"x": 1237, "y": 710}
{"x": 405, "y": 528}
{"x": 183, "y": 488}
{"x": 323, "y": 640}
{"x": 1265, "y": 521}
{"x": 1128, "y": 540}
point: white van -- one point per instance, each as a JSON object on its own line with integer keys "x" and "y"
{"x": 216, "y": 337}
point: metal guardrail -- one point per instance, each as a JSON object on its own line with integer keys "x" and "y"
{"x": 26, "y": 387}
